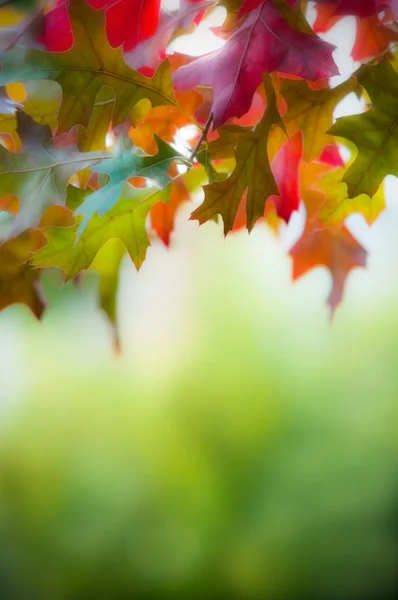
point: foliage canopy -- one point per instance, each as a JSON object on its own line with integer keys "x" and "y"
{"x": 91, "y": 102}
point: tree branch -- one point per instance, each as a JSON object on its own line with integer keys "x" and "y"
{"x": 202, "y": 137}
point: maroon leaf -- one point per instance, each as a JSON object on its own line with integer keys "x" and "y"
{"x": 264, "y": 43}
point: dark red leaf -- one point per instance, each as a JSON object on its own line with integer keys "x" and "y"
{"x": 264, "y": 43}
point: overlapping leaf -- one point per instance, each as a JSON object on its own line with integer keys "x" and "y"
{"x": 66, "y": 133}
{"x": 130, "y": 162}
{"x": 252, "y": 173}
{"x": 374, "y": 132}
{"x": 265, "y": 42}
{"x": 39, "y": 173}
{"x": 85, "y": 69}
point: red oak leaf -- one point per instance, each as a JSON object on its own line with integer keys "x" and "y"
{"x": 331, "y": 156}
{"x": 325, "y": 17}
{"x": 285, "y": 169}
{"x": 57, "y": 35}
{"x": 372, "y": 39}
{"x": 152, "y": 50}
{"x": 163, "y": 215}
{"x": 358, "y": 8}
{"x": 335, "y": 249}
{"x": 264, "y": 43}
{"x": 128, "y": 22}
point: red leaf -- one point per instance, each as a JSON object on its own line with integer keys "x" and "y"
{"x": 285, "y": 169}
{"x": 336, "y": 249}
{"x": 325, "y": 17}
{"x": 152, "y": 50}
{"x": 331, "y": 156}
{"x": 57, "y": 33}
{"x": 358, "y": 8}
{"x": 372, "y": 39}
{"x": 128, "y": 22}
{"x": 265, "y": 42}
{"x": 163, "y": 215}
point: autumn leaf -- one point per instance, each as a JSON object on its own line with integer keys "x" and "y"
{"x": 265, "y": 42}
{"x": 335, "y": 249}
{"x": 129, "y": 22}
{"x": 374, "y": 132}
{"x": 252, "y": 173}
{"x": 38, "y": 174}
{"x": 79, "y": 125}
{"x": 373, "y": 38}
{"x": 125, "y": 221}
{"x": 311, "y": 111}
{"x": 359, "y": 8}
{"x": 165, "y": 121}
{"x": 285, "y": 169}
{"x": 150, "y": 52}
{"x": 163, "y": 214}
{"x": 19, "y": 282}
{"x": 128, "y": 163}
{"x": 107, "y": 264}
{"x": 85, "y": 69}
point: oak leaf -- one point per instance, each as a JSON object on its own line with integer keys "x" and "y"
{"x": 252, "y": 173}
{"x": 374, "y": 132}
{"x": 85, "y": 69}
{"x": 264, "y": 43}
{"x": 38, "y": 174}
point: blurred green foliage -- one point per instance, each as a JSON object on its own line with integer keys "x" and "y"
{"x": 257, "y": 461}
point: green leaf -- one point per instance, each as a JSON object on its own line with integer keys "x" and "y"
{"x": 203, "y": 158}
{"x": 39, "y": 173}
{"x": 229, "y": 137}
{"x": 130, "y": 162}
{"x": 88, "y": 66}
{"x": 125, "y": 221}
{"x": 374, "y": 132}
{"x": 252, "y": 172}
{"x": 107, "y": 264}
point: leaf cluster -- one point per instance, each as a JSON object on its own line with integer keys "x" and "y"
{"x": 92, "y": 108}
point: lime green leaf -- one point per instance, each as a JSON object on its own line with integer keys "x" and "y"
{"x": 337, "y": 207}
{"x": 125, "y": 221}
{"x": 107, "y": 264}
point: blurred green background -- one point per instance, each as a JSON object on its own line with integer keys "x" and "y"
{"x": 241, "y": 446}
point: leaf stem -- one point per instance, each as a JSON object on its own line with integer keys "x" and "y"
{"x": 202, "y": 137}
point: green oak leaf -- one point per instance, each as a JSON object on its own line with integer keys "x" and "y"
{"x": 125, "y": 221}
{"x": 82, "y": 71}
{"x": 374, "y": 133}
{"x": 229, "y": 137}
{"x": 39, "y": 173}
{"x": 252, "y": 173}
{"x": 107, "y": 264}
{"x": 130, "y": 162}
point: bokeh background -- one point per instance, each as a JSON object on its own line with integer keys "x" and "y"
{"x": 241, "y": 445}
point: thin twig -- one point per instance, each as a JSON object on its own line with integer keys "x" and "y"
{"x": 202, "y": 137}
